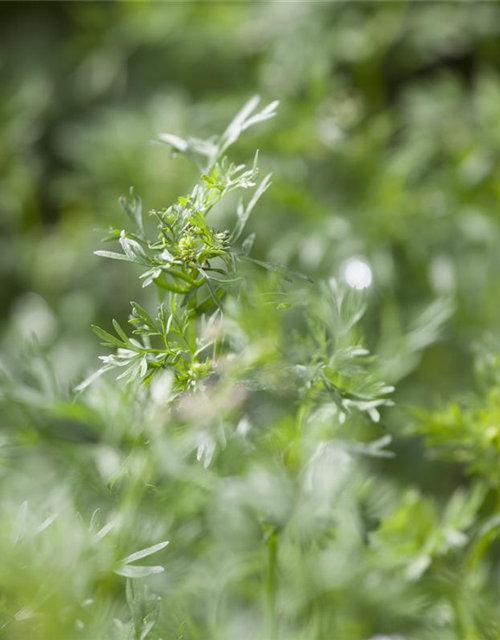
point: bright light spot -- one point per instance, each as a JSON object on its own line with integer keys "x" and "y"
{"x": 33, "y": 317}
{"x": 161, "y": 388}
{"x": 357, "y": 273}
{"x": 442, "y": 275}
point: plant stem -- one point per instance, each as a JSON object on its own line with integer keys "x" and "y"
{"x": 272, "y": 556}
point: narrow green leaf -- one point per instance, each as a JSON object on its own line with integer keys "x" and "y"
{"x": 93, "y": 377}
{"x": 143, "y": 315}
{"x": 116, "y": 256}
{"x": 120, "y": 332}
{"x": 107, "y": 337}
{"x": 133, "y": 207}
{"x": 178, "y": 143}
{"x": 275, "y": 267}
{"x": 134, "y": 571}
{"x": 144, "y": 553}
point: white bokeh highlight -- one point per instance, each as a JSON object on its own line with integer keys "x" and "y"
{"x": 357, "y": 273}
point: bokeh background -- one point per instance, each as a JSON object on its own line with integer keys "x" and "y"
{"x": 387, "y": 146}
{"x": 386, "y": 149}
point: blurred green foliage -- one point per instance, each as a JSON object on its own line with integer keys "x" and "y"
{"x": 293, "y": 523}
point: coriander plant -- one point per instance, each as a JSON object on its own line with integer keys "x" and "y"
{"x": 235, "y": 480}
{"x": 218, "y": 347}
{"x": 189, "y": 259}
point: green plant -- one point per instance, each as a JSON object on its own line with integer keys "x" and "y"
{"x": 246, "y": 431}
{"x": 254, "y": 469}
{"x": 217, "y": 351}
{"x": 189, "y": 259}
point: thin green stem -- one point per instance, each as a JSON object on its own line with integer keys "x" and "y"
{"x": 174, "y": 288}
{"x": 163, "y": 284}
{"x": 271, "y": 584}
{"x": 183, "y": 276}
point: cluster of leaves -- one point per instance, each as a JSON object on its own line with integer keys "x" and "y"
{"x": 467, "y": 431}
{"x": 198, "y": 266}
{"x": 189, "y": 259}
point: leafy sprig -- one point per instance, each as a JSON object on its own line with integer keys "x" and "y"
{"x": 191, "y": 261}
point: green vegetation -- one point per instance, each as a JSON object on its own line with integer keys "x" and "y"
{"x": 294, "y": 430}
